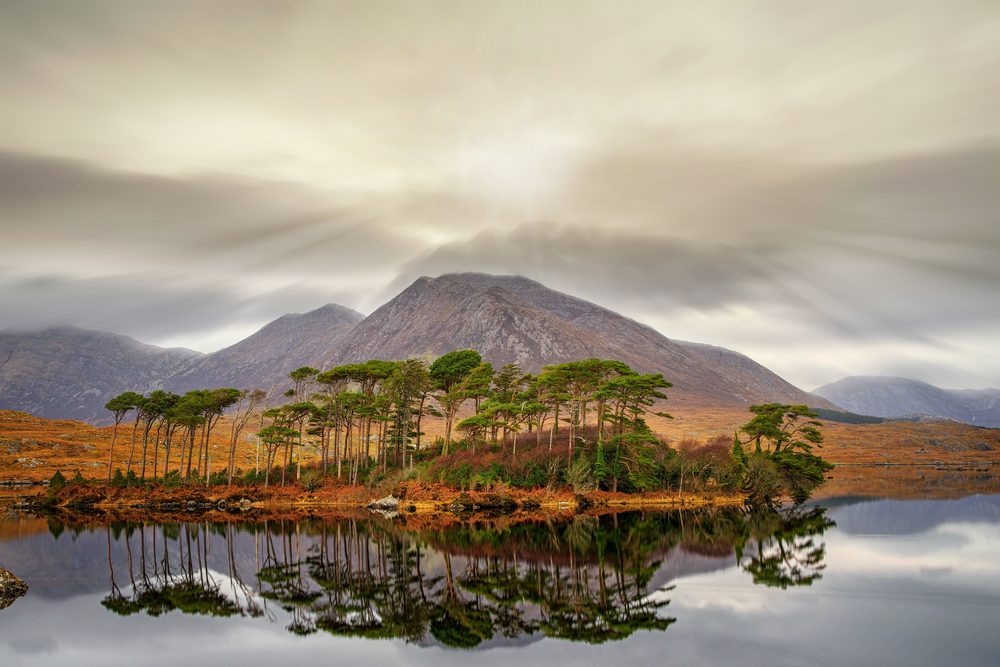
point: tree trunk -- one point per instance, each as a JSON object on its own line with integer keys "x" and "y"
{"x": 166, "y": 450}
{"x": 111, "y": 452}
{"x": 449, "y": 417}
{"x": 287, "y": 460}
{"x": 145, "y": 449}
{"x": 555, "y": 426}
{"x": 420, "y": 417}
{"x": 190, "y": 453}
{"x": 131, "y": 451}
{"x": 201, "y": 452}
{"x": 337, "y": 455}
{"x": 156, "y": 450}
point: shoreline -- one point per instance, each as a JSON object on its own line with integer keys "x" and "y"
{"x": 401, "y": 500}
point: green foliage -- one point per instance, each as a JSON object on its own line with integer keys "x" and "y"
{"x": 739, "y": 454}
{"x": 801, "y": 472}
{"x": 122, "y": 403}
{"x": 118, "y": 480}
{"x": 57, "y": 481}
{"x": 172, "y": 478}
{"x": 251, "y": 477}
{"x": 601, "y": 470}
{"x": 312, "y": 479}
{"x": 761, "y": 480}
{"x": 368, "y": 417}
{"x": 776, "y": 426}
{"x": 463, "y": 626}
{"x": 580, "y": 475}
{"x": 451, "y": 368}
{"x": 783, "y": 463}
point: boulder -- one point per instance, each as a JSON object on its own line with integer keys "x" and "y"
{"x": 387, "y": 503}
{"x": 11, "y": 588}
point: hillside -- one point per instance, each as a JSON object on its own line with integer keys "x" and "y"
{"x": 32, "y": 448}
{"x": 265, "y": 358}
{"x": 68, "y": 372}
{"x": 513, "y": 319}
{"x": 902, "y": 397}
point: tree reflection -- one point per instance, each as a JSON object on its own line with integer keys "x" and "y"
{"x": 187, "y": 586}
{"x": 785, "y": 552}
{"x": 590, "y": 579}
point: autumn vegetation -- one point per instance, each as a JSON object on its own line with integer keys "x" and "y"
{"x": 581, "y": 426}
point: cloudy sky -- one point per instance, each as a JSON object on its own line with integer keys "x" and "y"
{"x": 814, "y": 184}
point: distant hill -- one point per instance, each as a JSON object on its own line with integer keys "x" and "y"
{"x": 266, "y": 357}
{"x": 511, "y": 319}
{"x": 70, "y": 373}
{"x": 901, "y": 397}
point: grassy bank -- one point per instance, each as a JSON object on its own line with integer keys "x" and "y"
{"x": 411, "y": 497}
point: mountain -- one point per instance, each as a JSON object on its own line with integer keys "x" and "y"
{"x": 265, "y": 358}
{"x": 901, "y": 397}
{"x": 513, "y": 319}
{"x": 70, "y": 373}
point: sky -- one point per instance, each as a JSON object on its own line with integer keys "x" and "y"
{"x": 816, "y": 185}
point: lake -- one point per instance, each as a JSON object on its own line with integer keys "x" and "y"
{"x": 847, "y": 580}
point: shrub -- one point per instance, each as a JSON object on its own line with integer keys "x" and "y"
{"x": 118, "y": 480}
{"x": 580, "y": 475}
{"x": 312, "y": 479}
{"x": 57, "y": 481}
{"x": 172, "y": 478}
{"x": 251, "y": 477}
{"x": 761, "y": 481}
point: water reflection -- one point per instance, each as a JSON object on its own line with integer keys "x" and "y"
{"x": 592, "y": 578}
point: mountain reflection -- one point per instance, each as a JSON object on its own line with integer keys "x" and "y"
{"x": 465, "y": 585}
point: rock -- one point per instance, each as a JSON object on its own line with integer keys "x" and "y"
{"x": 387, "y": 503}
{"x": 11, "y": 588}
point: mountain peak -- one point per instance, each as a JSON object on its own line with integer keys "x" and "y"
{"x": 513, "y": 319}
{"x": 264, "y": 358}
{"x": 508, "y": 318}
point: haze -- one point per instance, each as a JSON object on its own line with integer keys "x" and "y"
{"x": 816, "y": 186}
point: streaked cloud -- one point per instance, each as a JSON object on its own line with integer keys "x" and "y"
{"x": 815, "y": 187}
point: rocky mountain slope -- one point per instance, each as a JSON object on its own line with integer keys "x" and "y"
{"x": 71, "y": 373}
{"x": 902, "y": 397}
{"x": 265, "y": 358}
{"x": 513, "y": 319}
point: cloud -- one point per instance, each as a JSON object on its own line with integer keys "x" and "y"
{"x": 893, "y": 264}
{"x": 788, "y": 184}
{"x": 868, "y": 251}
{"x": 149, "y": 306}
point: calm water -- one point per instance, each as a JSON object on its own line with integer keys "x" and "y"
{"x": 875, "y": 582}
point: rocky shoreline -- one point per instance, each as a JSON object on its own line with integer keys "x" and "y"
{"x": 398, "y": 501}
